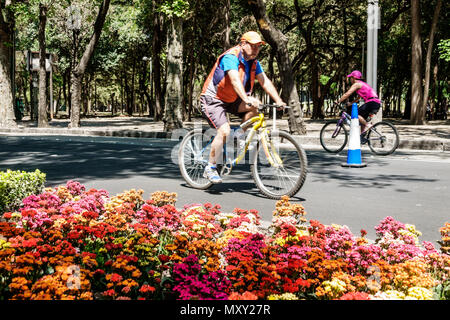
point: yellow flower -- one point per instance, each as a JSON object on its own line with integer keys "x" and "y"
{"x": 16, "y": 215}
{"x": 284, "y": 296}
{"x": 419, "y": 293}
{"x": 302, "y": 233}
{"x": 336, "y": 227}
{"x": 332, "y": 289}
{"x": 395, "y": 295}
{"x": 388, "y": 295}
{"x": 4, "y": 244}
{"x": 280, "y": 241}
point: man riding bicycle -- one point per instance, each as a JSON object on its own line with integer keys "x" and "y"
{"x": 228, "y": 88}
{"x": 371, "y": 102}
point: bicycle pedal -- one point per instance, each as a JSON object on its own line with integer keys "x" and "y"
{"x": 226, "y": 170}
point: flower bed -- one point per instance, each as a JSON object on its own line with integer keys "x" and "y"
{"x": 73, "y": 243}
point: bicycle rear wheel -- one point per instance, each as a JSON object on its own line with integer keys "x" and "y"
{"x": 288, "y": 174}
{"x": 383, "y": 138}
{"x": 333, "y": 138}
{"x": 193, "y": 158}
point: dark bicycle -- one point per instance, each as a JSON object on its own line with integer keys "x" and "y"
{"x": 382, "y": 138}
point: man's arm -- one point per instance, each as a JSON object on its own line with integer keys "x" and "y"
{"x": 268, "y": 87}
{"x": 239, "y": 88}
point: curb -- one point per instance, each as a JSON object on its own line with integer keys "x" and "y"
{"x": 441, "y": 145}
{"x": 100, "y": 133}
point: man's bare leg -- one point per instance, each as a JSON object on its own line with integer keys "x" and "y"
{"x": 249, "y": 111}
{"x": 216, "y": 146}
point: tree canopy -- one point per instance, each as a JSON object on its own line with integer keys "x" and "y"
{"x": 130, "y": 67}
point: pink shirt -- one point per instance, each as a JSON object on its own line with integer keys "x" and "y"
{"x": 367, "y": 93}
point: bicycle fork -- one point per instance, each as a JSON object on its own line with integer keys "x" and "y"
{"x": 273, "y": 157}
{"x": 339, "y": 126}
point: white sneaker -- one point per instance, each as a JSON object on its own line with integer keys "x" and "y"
{"x": 211, "y": 174}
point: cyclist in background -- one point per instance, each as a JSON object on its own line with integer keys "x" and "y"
{"x": 371, "y": 102}
{"x": 228, "y": 88}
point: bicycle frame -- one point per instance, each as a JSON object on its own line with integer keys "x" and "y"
{"x": 345, "y": 118}
{"x": 258, "y": 127}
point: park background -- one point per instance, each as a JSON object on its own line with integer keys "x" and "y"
{"x": 150, "y": 58}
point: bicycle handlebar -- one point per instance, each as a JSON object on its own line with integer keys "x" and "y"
{"x": 340, "y": 106}
{"x": 262, "y": 106}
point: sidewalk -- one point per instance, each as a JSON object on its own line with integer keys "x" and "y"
{"x": 433, "y": 136}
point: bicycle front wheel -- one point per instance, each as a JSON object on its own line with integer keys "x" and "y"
{"x": 285, "y": 173}
{"x": 383, "y": 138}
{"x": 333, "y": 138}
{"x": 193, "y": 158}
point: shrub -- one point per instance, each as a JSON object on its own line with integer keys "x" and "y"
{"x": 17, "y": 185}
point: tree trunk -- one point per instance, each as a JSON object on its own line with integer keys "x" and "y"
{"x": 417, "y": 114}
{"x": 408, "y": 102}
{"x": 42, "y": 106}
{"x": 434, "y": 88}
{"x": 66, "y": 90}
{"x": 7, "y": 117}
{"x": 226, "y": 41}
{"x": 278, "y": 41}
{"x": 156, "y": 45}
{"x": 317, "y": 112}
{"x": 78, "y": 72}
{"x": 58, "y": 101}
{"x": 24, "y": 92}
{"x": 429, "y": 51}
{"x": 128, "y": 94}
{"x": 174, "y": 92}
{"x": 142, "y": 90}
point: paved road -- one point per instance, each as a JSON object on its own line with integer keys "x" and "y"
{"x": 413, "y": 187}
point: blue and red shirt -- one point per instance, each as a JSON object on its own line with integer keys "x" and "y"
{"x": 219, "y": 85}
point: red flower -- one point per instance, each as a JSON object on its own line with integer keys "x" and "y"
{"x": 147, "y": 288}
{"x": 109, "y": 293}
{"x": 355, "y": 296}
{"x": 303, "y": 283}
{"x": 73, "y": 235}
{"x": 90, "y": 215}
{"x": 128, "y": 258}
{"x": 163, "y": 258}
{"x": 116, "y": 277}
{"x": 89, "y": 254}
{"x": 99, "y": 272}
{"x": 29, "y": 213}
{"x": 30, "y": 243}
